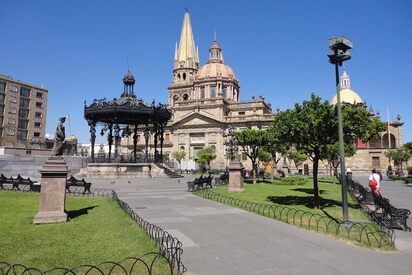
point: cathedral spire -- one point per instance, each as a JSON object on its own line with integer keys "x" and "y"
{"x": 187, "y": 55}
{"x": 344, "y": 80}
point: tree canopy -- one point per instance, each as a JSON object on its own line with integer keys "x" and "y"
{"x": 251, "y": 140}
{"x": 313, "y": 125}
{"x": 205, "y": 156}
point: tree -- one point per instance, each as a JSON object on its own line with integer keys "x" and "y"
{"x": 408, "y": 146}
{"x": 400, "y": 156}
{"x": 275, "y": 148}
{"x": 205, "y": 156}
{"x": 331, "y": 154}
{"x": 178, "y": 156}
{"x": 313, "y": 125}
{"x": 251, "y": 141}
{"x": 296, "y": 156}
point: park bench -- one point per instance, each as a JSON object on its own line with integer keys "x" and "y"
{"x": 388, "y": 215}
{"x": 72, "y": 181}
{"x": 22, "y": 181}
{"x": 223, "y": 179}
{"x": 5, "y": 180}
{"x": 200, "y": 183}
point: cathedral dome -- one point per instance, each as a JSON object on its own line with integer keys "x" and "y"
{"x": 347, "y": 95}
{"x": 211, "y": 70}
{"x": 215, "y": 67}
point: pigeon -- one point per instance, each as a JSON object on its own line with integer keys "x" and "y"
{"x": 112, "y": 182}
{"x": 128, "y": 181}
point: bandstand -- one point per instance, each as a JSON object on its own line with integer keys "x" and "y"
{"x": 122, "y": 117}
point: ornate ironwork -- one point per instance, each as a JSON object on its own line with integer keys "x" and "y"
{"x": 124, "y": 111}
{"x": 145, "y": 264}
{"x": 362, "y": 233}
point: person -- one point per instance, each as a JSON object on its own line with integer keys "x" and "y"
{"x": 58, "y": 145}
{"x": 389, "y": 172}
{"x": 375, "y": 176}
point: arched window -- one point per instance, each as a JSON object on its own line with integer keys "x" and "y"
{"x": 178, "y": 76}
{"x": 184, "y": 76}
{"x": 182, "y": 148}
{"x": 213, "y": 147}
{"x": 185, "y": 97}
{"x": 175, "y": 98}
{"x": 385, "y": 141}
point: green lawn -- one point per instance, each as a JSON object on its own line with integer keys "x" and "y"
{"x": 98, "y": 231}
{"x": 299, "y": 197}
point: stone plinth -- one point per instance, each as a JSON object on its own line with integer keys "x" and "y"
{"x": 53, "y": 191}
{"x": 235, "y": 177}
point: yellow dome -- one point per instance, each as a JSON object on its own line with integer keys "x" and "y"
{"x": 347, "y": 96}
{"x": 211, "y": 70}
{"x": 72, "y": 138}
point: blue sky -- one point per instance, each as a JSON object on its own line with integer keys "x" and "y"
{"x": 79, "y": 49}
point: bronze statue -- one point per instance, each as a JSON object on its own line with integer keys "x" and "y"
{"x": 59, "y": 138}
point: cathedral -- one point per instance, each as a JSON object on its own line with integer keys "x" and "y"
{"x": 205, "y": 101}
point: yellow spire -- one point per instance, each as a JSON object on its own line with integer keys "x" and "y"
{"x": 187, "y": 55}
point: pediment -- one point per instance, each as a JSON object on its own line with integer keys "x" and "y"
{"x": 196, "y": 120}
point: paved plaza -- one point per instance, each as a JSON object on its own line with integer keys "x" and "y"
{"x": 218, "y": 239}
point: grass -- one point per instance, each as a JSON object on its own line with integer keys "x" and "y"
{"x": 99, "y": 230}
{"x": 300, "y": 197}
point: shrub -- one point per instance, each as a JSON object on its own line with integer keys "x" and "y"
{"x": 292, "y": 181}
{"x": 409, "y": 170}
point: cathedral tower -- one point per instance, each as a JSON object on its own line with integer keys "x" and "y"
{"x": 186, "y": 64}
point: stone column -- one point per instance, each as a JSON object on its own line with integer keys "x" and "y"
{"x": 53, "y": 192}
{"x": 235, "y": 176}
{"x": 92, "y": 138}
{"x": 116, "y": 141}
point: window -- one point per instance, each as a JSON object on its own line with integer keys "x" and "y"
{"x": 224, "y": 92}
{"x": 24, "y": 103}
{"x": 241, "y": 113}
{"x": 12, "y": 110}
{"x": 182, "y": 148}
{"x": 39, "y": 95}
{"x": 38, "y": 115}
{"x": 185, "y": 97}
{"x": 11, "y": 121}
{"x": 21, "y": 134}
{"x": 13, "y": 99}
{"x": 10, "y": 132}
{"x": 1, "y": 109}
{"x": 23, "y": 113}
{"x": 2, "y": 87}
{"x": 24, "y": 92}
{"x": 138, "y": 137}
{"x": 202, "y": 92}
{"x": 37, "y": 125}
{"x": 14, "y": 89}
{"x": 23, "y": 124}
{"x": 167, "y": 137}
{"x": 1, "y": 98}
{"x": 1, "y": 122}
{"x": 39, "y": 105}
{"x": 376, "y": 162}
{"x": 212, "y": 91}
{"x": 36, "y": 134}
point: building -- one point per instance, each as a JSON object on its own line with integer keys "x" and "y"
{"x": 371, "y": 154}
{"x": 205, "y": 100}
{"x": 23, "y": 110}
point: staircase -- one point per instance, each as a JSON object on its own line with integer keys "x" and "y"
{"x": 168, "y": 171}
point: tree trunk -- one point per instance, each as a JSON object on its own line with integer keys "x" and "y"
{"x": 254, "y": 172}
{"x": 315, "y": 181}
{"x": 272, "y": 172}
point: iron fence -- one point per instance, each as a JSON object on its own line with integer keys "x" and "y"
{"x": 362, "y": 233}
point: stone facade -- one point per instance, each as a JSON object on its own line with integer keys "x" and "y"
{"x": 23, "y": 109}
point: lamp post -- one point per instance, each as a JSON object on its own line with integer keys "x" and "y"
{"x": 339, "y": 52}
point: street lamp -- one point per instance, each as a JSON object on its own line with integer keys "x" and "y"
{"x": 339, "y": 52}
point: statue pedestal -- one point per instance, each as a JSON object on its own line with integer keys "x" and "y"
{"x": 53, "y": 191}
{"x": 235, "y": 177}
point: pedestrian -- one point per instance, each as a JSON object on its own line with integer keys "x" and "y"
{"x": 374, "y": 182}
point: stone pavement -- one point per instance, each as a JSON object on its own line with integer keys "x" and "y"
{"x": 218, "y": 239}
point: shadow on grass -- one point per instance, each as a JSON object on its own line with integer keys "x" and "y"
{"x": 79, "y": 212}
{"x": 308, "y": 190}
{"x": 307, "y": 201}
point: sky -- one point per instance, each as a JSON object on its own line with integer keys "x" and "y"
{"x": 80, "y": 50}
